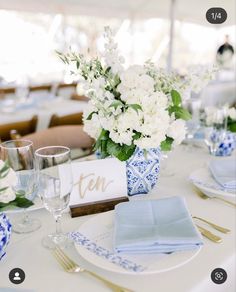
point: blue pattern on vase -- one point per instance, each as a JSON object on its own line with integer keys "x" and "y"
{"x": 142, "y": 170}
{"x": 227, "y": 146}
{"x": 5, "y": 233}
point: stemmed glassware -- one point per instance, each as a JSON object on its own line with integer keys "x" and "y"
{"x": 216, "y": 134}
{"x": 55, "y": 185}
{"x": 194, "y": 105}
{"x": 20, "y": 157}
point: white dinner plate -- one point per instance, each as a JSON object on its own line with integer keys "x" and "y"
{"x": 93, "y": 241}
{"x": 204, "y": 181}
{"x": 37, "y": 205}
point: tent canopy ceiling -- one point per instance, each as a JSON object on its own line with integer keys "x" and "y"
{"x": 186, "y": 10}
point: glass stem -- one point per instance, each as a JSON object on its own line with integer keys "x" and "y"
{"x": 25, "y": 216}
{"x": 58, "y": 224}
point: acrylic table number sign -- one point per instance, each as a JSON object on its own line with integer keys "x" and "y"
{"x": 98, "y": 186}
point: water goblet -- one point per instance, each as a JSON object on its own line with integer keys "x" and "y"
{"x": 55, "y": 185}
{"x": 19, "y": 156}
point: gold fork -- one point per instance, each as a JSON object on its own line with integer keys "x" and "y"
{"x": 203, "y": 196}
{"x": 217, "y": 227}
{"x": 71, "y": 267}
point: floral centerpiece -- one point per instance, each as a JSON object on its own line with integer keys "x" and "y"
{"x": 131, "y": 110}
{"x": 221, "y": 125}
{"x": 8, "y": 197}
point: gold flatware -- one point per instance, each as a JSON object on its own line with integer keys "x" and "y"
{"x": 217, "y": 227}
{"x": 71, "y": 267}
{"x": 209, "y": 235}
{"x": 203, "y": 196}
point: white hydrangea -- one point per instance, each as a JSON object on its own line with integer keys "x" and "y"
{"x": 93, "y": 127}
{"x": 177, "y": 131}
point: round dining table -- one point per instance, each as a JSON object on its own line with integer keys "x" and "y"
{"x": 44, "y": 274}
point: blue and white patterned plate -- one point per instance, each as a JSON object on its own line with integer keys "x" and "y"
{"x": 94, "y": 240}
{"x": 204, "y": 181}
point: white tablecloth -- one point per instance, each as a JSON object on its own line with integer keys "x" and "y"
{"x": 43, "y": 274}
{"x": 58, "y": 106}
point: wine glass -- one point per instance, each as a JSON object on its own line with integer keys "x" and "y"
{"x": 216, "y": 134}
{"x": 55, "y": 185}
{"x": 193, "y": 125}
{"x": 20, "y": 157}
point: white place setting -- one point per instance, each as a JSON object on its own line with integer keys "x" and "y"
{"x": 163, "y": 274}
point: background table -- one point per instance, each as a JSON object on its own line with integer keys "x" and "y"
{"x": 43, "y": 274}
{"x": 59, "y": 106}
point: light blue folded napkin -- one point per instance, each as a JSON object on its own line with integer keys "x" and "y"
{"x": 154, "y": 226}
{"x": 224, "y": 172}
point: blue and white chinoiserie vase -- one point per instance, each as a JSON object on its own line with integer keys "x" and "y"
{"x": 5, "y": 233}
{"x": 226, "y": 145}
{"x": 142, "y": 170}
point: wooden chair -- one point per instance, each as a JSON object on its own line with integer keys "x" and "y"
{"x": 45, "y": 87}
{"x": 7, "y": 91}
{"x": 66, "y": 90}
{"x": 79, "y": 97}
{"x": 70, "y": 136}
{"x": 72, "y": 119}
{"x": 17, "y": 129}
{"x": 40, "y": 91}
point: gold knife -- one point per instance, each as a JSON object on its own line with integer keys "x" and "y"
{"x": 209, "y": 235}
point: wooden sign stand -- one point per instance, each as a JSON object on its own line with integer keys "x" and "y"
{"x": 96, "y": 207}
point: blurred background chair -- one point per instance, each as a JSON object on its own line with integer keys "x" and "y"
{"x": 79, "y": 97}
{"x": 66, "y": 90}
{"x": 10, "y": 131}
{"x": 70, "y": 136}
{"x": 72, "y": 119}
{"x": 7, "y": 92}
{"x": 40, "y": 92}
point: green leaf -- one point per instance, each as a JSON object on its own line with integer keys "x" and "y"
{"x": 3, "y": 189}
{"x": 122, "y": 152}
{"x": 4, "y": 170}
{"x": 176, "y": 98}
{"x": 135, "y": 107}
{"x": 180, "y": 113}
{"x": 104, "y": 135}
{"x": 22, "y": 202}
{"x": 77, "y": 64}
{"x": 90, "y": 116}
{"x": 232, "y": 127}
{"x": 136, "y": 136}
{"x": 116, "y": 103}
{"x": 166, "y": 144}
